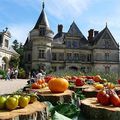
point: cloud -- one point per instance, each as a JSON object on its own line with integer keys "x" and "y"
{"x": 20, "y": 31}
{"x": 66, "y": 8}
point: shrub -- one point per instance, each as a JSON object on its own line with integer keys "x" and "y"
{"x": 62, "y": 73}
{"x": 21, "y": 73}
{"x": 3, "y": 73}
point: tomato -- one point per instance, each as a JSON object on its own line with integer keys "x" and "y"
{"x": 114, "y": 99}
{"x": 2, "y": 102}
{"x": 11, "y": 103}
{"x": 16, "y": 96}
{"x": 39, "y": 82}
{"x": 28, "y": 98}
{"x": 99, "y": 86}
{"x": 23, "y": 101}
{"x": 58, "y": 85}
{"x": 90, "y": 77}
{"x": 47, "y": 78}
{"x": 79, "y": 82}
{"x": 36, "y": 86}
{"x": 97, "y": 78}
{"x": 74, "y": 77}
{"x": 33, "y": 98}
{"x": 103, "y": 98}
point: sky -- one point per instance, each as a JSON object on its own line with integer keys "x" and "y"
{"x": 20, "y": 16}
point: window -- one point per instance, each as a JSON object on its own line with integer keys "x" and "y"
{"x": 42, "y": 31}
{"x": 75, "y": 44}
{"x": 106, "y": 56}
{"x": 54, "y": 68}
{"x": 82, "y": 57}
{"x": 61, "y": 56}
{"x": 69, "y": 56}
{"x": 61, "y": 67}
{"x": 68, "y": 44}
{"x": 54, "y": 56}
{"x": 6, "y": 43}
{"x": 41, "y": 54}
{"x": 89, "y": 57}
{"x": 82, "y": 69}
{"x": 76, "y": 56}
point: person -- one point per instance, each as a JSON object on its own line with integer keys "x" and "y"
{"x": 42, "y": 70}
{"x": 16, "y": 73}
{"x": 34, "y": 74}
{"x": 8, "y": 74}
{"x": 39, "y": 76}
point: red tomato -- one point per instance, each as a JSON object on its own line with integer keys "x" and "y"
{"x": 103, "y": 98}
{"x": 79, "y": 82}
{"x": 114, "y": 99}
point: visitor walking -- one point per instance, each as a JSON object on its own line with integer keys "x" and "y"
{"x": 16, "y": 73}
{"x": 8, "y": 74}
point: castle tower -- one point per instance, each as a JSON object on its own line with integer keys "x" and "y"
{"x": 39, "y": 40}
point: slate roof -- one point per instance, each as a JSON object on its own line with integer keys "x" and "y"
{"x": 42, "y": 20}
{"x": 99, "y": 35}
{"x": 75, "y": 30}
{"x": 59, "y": 37}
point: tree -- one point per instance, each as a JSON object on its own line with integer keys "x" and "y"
{"x": 18, "y": 47}
{"x": 15, "y": 45}
{"x": 14, "y": 62}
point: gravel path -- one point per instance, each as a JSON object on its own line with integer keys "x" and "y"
{"x": 7, "y": 87}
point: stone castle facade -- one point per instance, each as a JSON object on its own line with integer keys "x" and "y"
{"x": 6, "y": 51}
{"x": 70, "y": 50}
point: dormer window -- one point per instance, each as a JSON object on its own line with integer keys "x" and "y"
{"x": 42, "y": 31}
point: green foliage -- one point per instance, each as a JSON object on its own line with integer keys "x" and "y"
{"x": 14, "y": 62}
{"x": 15, "y": 45}
{"x": 111, "y": 77}
{"x": 62, "y": 73}
{"x": 3, "y": 73}
{"x": 67, "y": 109}
{"x": 18, "y": 47}
{"x": 21, "y": 73}
{"x": 58, "y": 116}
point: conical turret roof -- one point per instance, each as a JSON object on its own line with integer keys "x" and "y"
{"x": 42, "y": 20}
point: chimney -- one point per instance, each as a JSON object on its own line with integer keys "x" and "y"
{"x": 60, "y": 28}
{"x": 95, "y": 33}
{"x": 90, "y": 34}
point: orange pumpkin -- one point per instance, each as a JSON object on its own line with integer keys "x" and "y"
{"x": 58, "y": 85}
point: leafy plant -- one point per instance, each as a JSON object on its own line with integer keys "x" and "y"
{"x": 67, "y": 109}
{"x": 3, "y": 73}
{"x": 21, "y": 73}
{"x": 58, "y": 116}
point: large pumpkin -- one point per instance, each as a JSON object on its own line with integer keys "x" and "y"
{"x": 58, "y": 85}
